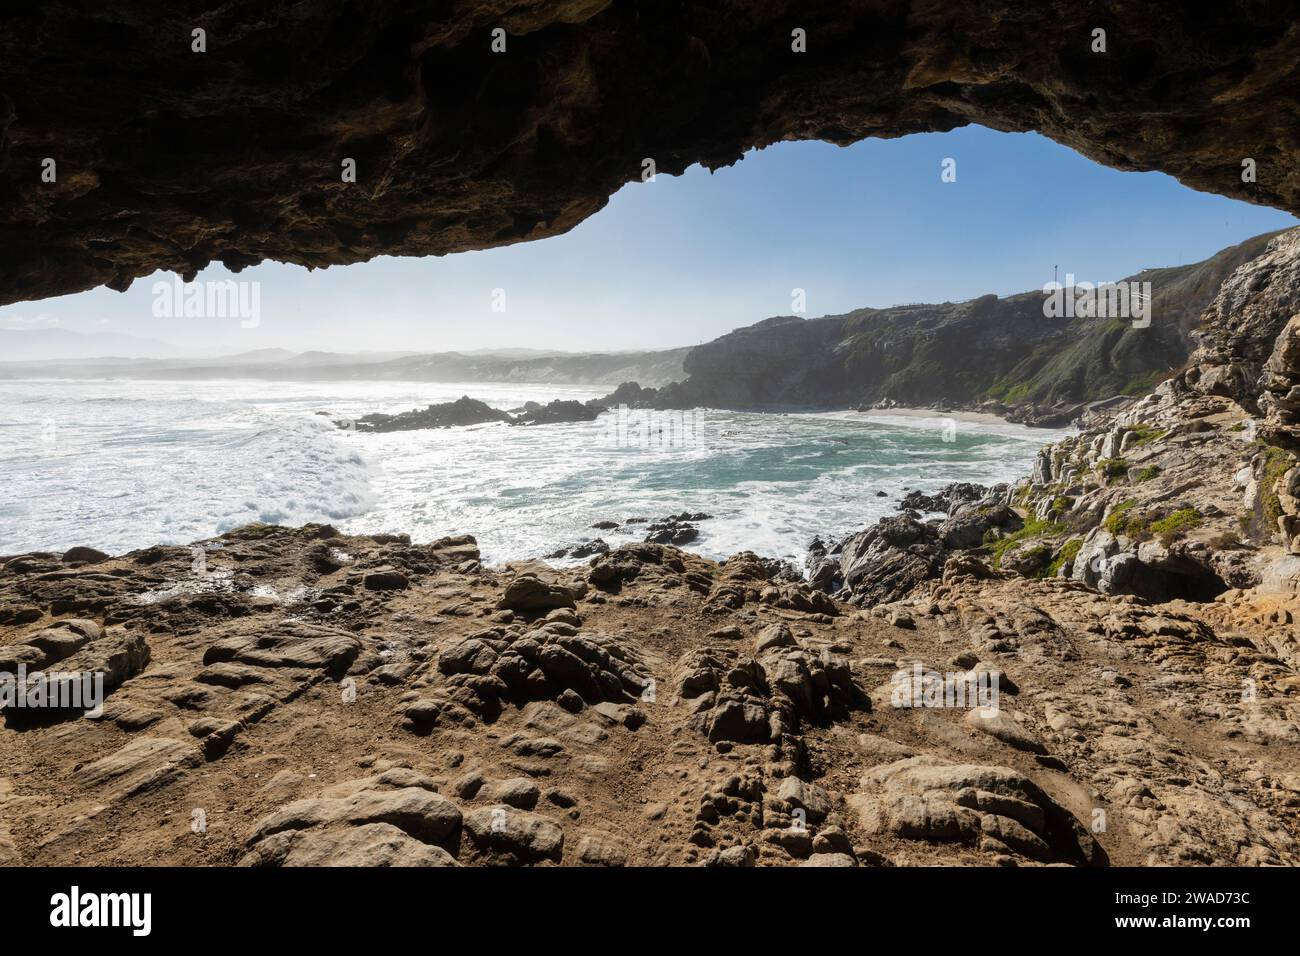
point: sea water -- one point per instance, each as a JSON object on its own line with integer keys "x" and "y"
{"x": 123, "y": 464}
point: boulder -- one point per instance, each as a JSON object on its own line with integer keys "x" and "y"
{"x": 812, "y": 799}
{"x": 528, "y": 593}
{"x": 385, "y": 579}
{"x": 773, "y": 636}
{"x": 369, "y": 845}
{"x": 888, "y": 560}
{"x": 601, "y": 850}
{"x": 418, "y": 812}
{"x": 518, "y": 792}
{"x": 926, "y": 798}
{"x": 518, "y": 835}
{"x": 83, "y": 555}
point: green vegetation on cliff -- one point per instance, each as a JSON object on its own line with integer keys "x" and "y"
{"x": 1277, "y": 462}
{"x": 1005, "y": 349}
{"x": 1034, "y": 528}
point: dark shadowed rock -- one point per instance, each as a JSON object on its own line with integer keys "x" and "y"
{"x": 885, "y": 562}
{"x": 83, "y": 555}
{"x": 463, "y": 411}
{"x": 558, "y": 411}
{"x": 385, "y": 579}
{"x": 457, "y": 148}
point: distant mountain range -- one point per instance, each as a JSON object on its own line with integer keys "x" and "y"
{"x": 45, "y": 344}
{"x": 89, "y": 360}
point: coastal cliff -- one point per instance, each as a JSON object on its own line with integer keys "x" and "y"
{"x": 1002, "y": 355}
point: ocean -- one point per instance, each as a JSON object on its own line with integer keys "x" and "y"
{"x": 122, "y": 464}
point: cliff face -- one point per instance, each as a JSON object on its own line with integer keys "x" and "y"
{"x": 168, "y": 158}
{"x": 1250, "y": 344}
{"x": 1191, "y": 493}
{"x": 1005, "y": 352}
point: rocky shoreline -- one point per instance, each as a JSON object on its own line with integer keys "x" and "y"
{"x": 679, "y": 396}
{"x": 1192, "y": 492}
{"x": 295, "y": 696}
{"x": 321, "y": 699}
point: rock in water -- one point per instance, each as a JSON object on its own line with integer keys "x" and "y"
{"x": 463, "y": 411}
{"x": 558, "y": 411}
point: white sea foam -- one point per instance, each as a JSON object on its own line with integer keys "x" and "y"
{"x": 129, "y": 464}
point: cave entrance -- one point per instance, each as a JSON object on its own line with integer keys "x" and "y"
{"x": 1175, "y": 580}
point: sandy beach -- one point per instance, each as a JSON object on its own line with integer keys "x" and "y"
{"x": 983, "y": 418}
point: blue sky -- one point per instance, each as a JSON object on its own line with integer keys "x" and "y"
{"x": 682, "y": 260}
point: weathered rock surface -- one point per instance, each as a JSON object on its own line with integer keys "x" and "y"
{"x": 528, "y": 592}
{"x": 696, "y": 713}
{"x": 514, "y": 835}
{"x": 393, "y": 819}
{"x": 371, "y": 844}
{"x": 995, "y": 808}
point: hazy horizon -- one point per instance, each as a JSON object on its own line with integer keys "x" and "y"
{"x": 682, "y": 260}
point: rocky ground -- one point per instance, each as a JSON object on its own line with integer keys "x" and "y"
{"x": 295, "y": 696}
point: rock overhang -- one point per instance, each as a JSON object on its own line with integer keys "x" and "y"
{"x": 168, "y": 158}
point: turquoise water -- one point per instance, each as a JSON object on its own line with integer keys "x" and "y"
{"x": 125, "y": 464}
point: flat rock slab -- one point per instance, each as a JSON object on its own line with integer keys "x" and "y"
{"x": 421, "y": 813}
{"x": 64, "y": 638}
{"x": 1002, "y": 726}
{"x": 315, "y": 648}
{"x": 141, "y": 765}
{"x": 829, "y": 859}
{"x": 232, "y": 675}
{"x": 372, "y": 844}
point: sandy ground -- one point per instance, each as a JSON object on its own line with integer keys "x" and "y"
{"x": 982, "y": 418}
